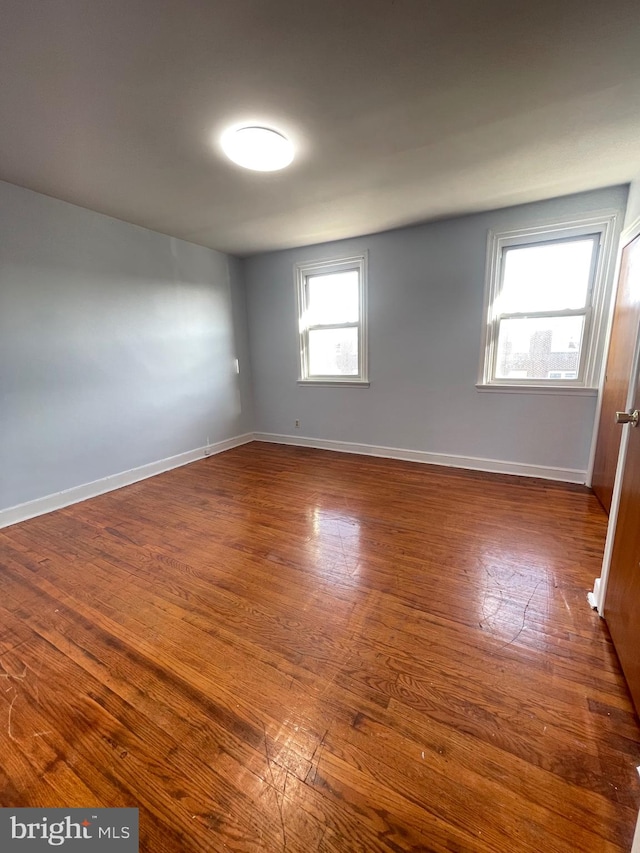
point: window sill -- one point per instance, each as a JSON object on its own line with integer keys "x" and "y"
{"x": 566, "y": 390}
{"x": 327, "y": 383}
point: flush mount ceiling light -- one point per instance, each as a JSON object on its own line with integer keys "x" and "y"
{"x": 258, "y": 148}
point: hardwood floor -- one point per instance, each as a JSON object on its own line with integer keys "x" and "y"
{"x": 292, "y": 650}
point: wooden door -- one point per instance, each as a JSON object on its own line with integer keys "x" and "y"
{"x": 622, "y": 604}
{"x": 616, "y": 385}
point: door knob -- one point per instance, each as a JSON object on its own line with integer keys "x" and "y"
{"x": 628, "y": 418}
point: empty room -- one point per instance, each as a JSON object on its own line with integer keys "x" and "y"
{"x": 319, "y": 445}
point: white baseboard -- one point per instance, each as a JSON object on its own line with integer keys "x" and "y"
{"x": 595, "y": 597}
{"x": 40, "y": 506}
{"x": 494, "y": 466}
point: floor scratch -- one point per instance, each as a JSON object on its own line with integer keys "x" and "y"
{"x": 320, "y": 747}
{"x": 38, "y": 674}
{"x": 275, "y": 790}
{"x": 524, "y": 618}
{"x": 488, "y": 619}
{"x": 9, "y": 732}
{"x": 20, "y": 677}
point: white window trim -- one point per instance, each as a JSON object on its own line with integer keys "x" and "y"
{"x": 602, "y": 223}
{"x": 324, "y": 267}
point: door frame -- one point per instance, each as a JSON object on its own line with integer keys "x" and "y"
{"x": 598, "y": 597}
{"x": 636, "y": 838}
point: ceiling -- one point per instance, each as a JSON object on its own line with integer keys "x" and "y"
{"x": 401, "y": 110}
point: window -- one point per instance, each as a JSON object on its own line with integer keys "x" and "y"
{"x": 546, "y": 305}
{"x": 332, "y": 321}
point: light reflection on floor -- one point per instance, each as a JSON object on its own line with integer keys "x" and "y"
{"x": 334, "y": 545}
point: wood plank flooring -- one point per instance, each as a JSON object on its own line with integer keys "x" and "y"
{"x": 282, "y": 649}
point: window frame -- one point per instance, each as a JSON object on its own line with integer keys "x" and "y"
{"x": 302, "y": 272}
{"x": 600, "y": 226}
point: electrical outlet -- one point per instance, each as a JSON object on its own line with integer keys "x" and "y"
{"x": 297, "y": 424}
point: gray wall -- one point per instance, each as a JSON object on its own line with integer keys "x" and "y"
{"x": 426, "y": 290}
{"x": 117, "y": 346}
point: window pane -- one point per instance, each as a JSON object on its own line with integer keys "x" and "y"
{"x": 548, "y": 277}
{"x": 333, "y": 298}
{"x": 333, "y": 352}
{"x": 540, "y": 348}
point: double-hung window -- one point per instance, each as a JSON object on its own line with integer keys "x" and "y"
{"x": 332, "y": 321}
{"x": 546, "y": 305}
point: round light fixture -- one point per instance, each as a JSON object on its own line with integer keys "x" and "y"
{"x": 258, "y": 148}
